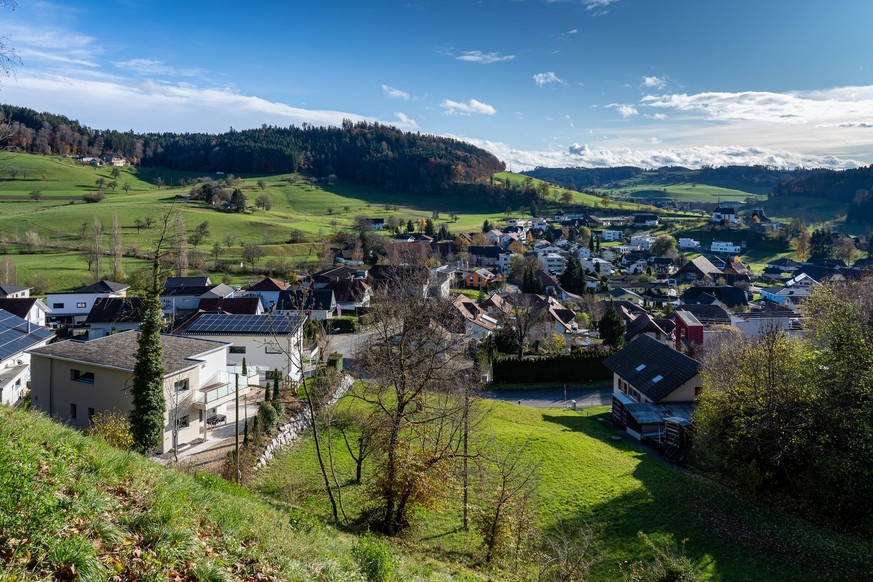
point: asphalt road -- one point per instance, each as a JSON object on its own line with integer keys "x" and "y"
{"x": 554, "y": 398}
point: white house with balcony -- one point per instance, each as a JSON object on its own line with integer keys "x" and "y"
{"x": 75, "y": 306}
{"x": 74, "y": 380}
{"x": 719, "y": 246}
{"x": 687, "y": 244}
{"x": 642, "y": 241}
{"x": 598, "y": 265}
{"x": 552, "y": 262}
{"x": 611, "y": 235}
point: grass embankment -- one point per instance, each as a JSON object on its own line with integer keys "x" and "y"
{"x": 587, "y": 480}
{"x": 72, "y": 507}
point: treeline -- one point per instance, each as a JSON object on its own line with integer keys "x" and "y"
{"x": 366, "y": 153}
{"x": 582, "y": 178}
{"x": 852, "y": 187}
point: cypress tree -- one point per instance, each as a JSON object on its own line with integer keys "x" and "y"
{"x": 276, "y": 386}
{"x": 245, "y": 370}
{"x": 267, "y": 396}
{"x": 149, "y": 403}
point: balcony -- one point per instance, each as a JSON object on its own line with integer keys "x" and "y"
{"x": 221, "y": 389}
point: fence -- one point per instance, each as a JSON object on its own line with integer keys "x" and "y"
{"x": 581, "y": 367}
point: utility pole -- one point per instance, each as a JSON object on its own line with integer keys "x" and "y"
{"x": 236, "y": 382}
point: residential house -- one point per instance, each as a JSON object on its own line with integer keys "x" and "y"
{"x": 477, "y": 323}
{"x": 504, "y": 261}
{"x": 187, "y": 298}
{"x": 642, "y": 241}
{"x": 321, "y": 279}
{"x": 552, "y": 262}
{"x": 785, "y": 265}
{"x": 661, "y": 266}
{"x": 719, "y": 246}
{"x": 698, "y": 269}
{"x": 14, "y": 291}
{"x": 376, "y": 224}
{"x": 494, "y": 236}
{"x": 350, "y": 294}
{"x": 485, "y": 256}
{"x": 74, "y": 307}
{"x": 726, "y": 295}
{"x": 317, "y": 304}
{"x": 195, "y": 281}
{"x": 17, "y": 336}
{"x": 659, "y": 329}
{"x": 114, "y": 314}
{"x": 611, "y": 235}
{"x": 645, "y": 219}
{"x": 480, "y": 279}
{"x": 771, "y": 318}
{"x": 114, "y": 159}
{"x": 598, "y": 265}
{"x": 689, "y": 331}
{"x": 268, "y": 341}
{"x": 28, "y": 308}
{"x": 73, "y": 380}
{"x": 651, "y": 382}
{"x": 725, "y": 214}
{"x": 708, "y": 314}
{"x": 794, "y": 292}
{"x": 239, "y": 305}
{"x": 622, "y": 294}
{"x": 268, "y": 290}
{"x": 497, "y": 306}
{"x": 687, "y": 244}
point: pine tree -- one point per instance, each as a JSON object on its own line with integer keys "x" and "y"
{"x": 267, "y": 396}
{"x": 573, "y": 278}
{"x": 611, "y": 328}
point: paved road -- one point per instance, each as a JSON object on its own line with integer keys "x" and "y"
{"x": 554, "y": 398}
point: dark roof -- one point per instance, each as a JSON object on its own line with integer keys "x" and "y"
{"x": 724, "y": 210}
{"x": 643, "y": 323}
{"x": 235, "y": 324}
{"x": 335, "y": 274}
{"x": 186, "y": 282}
{"x": 348, "y": 290}
{"x": 268, "y": 284}
{"x": 784, "y": 262}
{"x": 399, "y": 273}
{"x": 17, "y": 334}
{"x": 622, "y": 307}
{"x": 727, "y": 294}
{"x": 119, "y": 351}
{"x": 10, "y": 289}
{"x": 701, "y": 265}
{"x": 484, "y": 251}
{"x": 197, "y": 290}
{"x": 643, "y": 360}
{"x": 708, "y": 313}
{"x": 645, "y": 216}
{"x": 19, "y": 306}
{"x": 306, "y": 299}
{"x": 116, "y": 310}
{"x": 239, "y": 305}
{"x": 103, "y": 286}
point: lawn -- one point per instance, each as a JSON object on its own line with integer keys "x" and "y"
{"x": 587, "y": 480}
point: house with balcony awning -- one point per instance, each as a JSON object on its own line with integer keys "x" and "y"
{"x": 73, "y": 380}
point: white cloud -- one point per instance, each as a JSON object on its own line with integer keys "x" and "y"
{"x": 623, "y": 109}
{"x": 832, "y": 106}
{"x": 451, "y": 107}
{"x": 543, "y": 79}
{"x": 154, "y": 106}
{"x": 583, "y": 155}
{"x": 395, "y": 93}
{"x": 483, "y": 58}
{"x": 404, "y": 121}
{"x": 148, "y": 67}
{"x": 654, "y": 82}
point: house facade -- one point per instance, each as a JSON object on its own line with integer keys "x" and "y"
{"x": 74, "y": 307}
{"x": 17, "y": 335}
{"x": 74, "y": 380}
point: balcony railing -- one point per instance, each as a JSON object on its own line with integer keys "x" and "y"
{"x": 223, "y": 384}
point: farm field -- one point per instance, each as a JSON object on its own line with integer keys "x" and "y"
{"x": 588, "y": 482}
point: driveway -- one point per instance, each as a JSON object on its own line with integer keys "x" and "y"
{"x": 554, "y": 397}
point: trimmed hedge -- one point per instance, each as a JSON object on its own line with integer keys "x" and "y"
{"x": 577, "y": 367}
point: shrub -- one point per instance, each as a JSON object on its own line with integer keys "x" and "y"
{"x": 279, "y": 407}
{"x": 113, "y": 427}
{"x": 268, "y": 416}
{"x": 374, "y": 558}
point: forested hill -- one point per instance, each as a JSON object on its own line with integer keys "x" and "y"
{"x": 852, "y": 187}
{"x": 367, "y": 153}
{"x": 756, "y": 177}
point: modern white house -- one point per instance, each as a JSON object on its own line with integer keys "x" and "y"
{"x": 598, "y": 265}
{"x": 268, "y": 289}
{"x": 688, "y": 244}
{"x": 75, "y": 306}
{"x": 14, "y": 291}
{"x": 719, "y": 246}
{"x": 30, "y": 309}
{"x": 552, "y": 262}
{"x": 611, "y": 235}
{"x": 187, "y": 298}
{"x": 17, "y": 335}
{"x": 642, "y": 241}
{"x": 268, "y": 341}
{"x": 73, "y": 380}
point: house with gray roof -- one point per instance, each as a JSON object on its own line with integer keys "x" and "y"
{"x": 17, "y": 335}
{"x": 74, "y": 307}
{"x": 73, "y": 380}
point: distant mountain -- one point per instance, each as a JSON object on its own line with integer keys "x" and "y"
{"x": 366, "y": 153}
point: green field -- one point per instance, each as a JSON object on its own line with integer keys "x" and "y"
{"x": 614, "y": 489}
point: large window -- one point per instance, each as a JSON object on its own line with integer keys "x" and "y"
{"x": 57, "y": 305}
{"x": 80, "y": 376}
{"x": 182, "y": 421}
{"x": 237, "y": 349}
{"x": 181, "y": 385}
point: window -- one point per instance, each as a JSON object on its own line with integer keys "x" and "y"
{"x": 657, "y": 379}
{"x": 182, "y": 422}
{"x": 181, "y": 385}
{"x": 80, "y": 376}
{"x": 57, "y": 305}
{"x": 72, "y": 411}
{"x": 237, "y": 349}
{"x": 81, "y": 305}
{"x": 90, "y": 414}
{"x": 272, "y": 348}
{"x": 640, "y": 367}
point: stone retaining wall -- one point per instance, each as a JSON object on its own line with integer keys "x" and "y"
{"x": 291, "y": 430}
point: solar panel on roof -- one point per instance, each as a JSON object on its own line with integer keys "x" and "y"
{"x": 243, "y": 323}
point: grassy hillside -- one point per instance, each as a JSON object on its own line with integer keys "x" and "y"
{"x": 71, "y": 507}
{"x": 613, "y": 489}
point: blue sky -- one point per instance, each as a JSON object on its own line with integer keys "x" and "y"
{"x": 540, "y": 82}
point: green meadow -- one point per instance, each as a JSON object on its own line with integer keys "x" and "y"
{"x": 611, "y": 489}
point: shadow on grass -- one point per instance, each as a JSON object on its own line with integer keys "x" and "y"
{"x": 724, "y": 534}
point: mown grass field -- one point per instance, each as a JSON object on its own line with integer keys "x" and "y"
{"x": 72, "y": 507}
{"x": 614, "y": 489}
